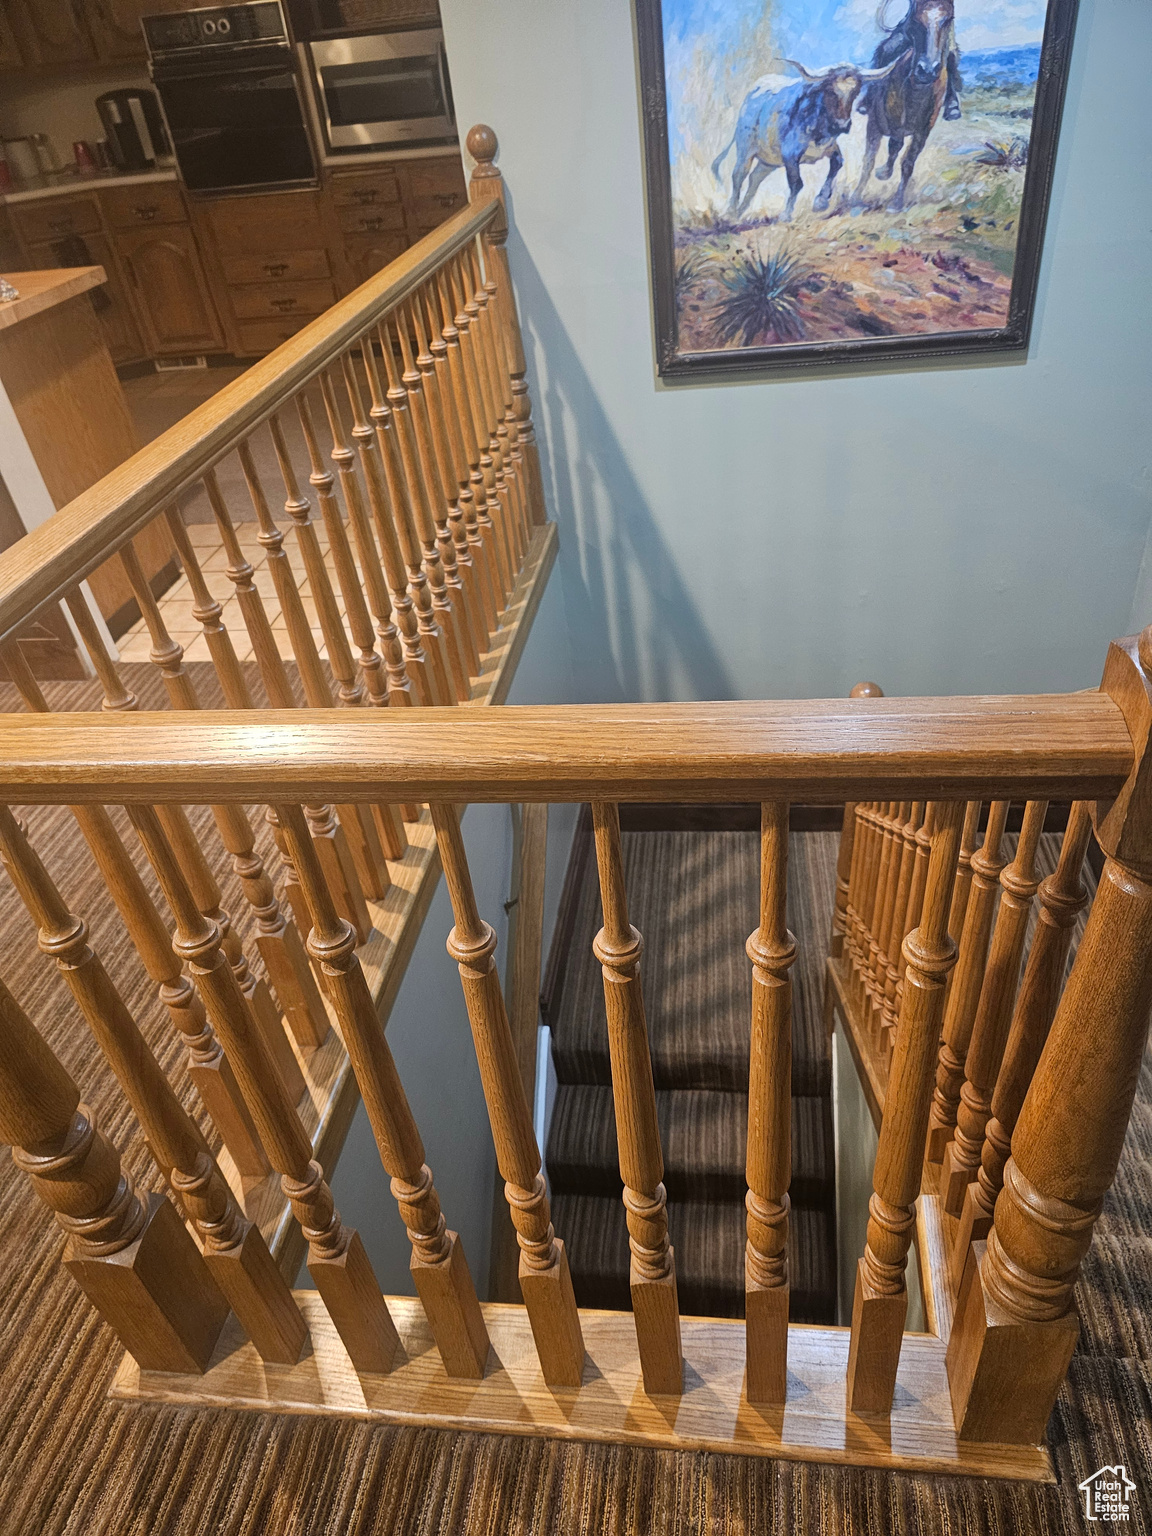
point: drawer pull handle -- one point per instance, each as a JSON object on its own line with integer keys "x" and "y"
{"x": 447, "y": 199}
{"x": 369, "y": 224}
{"x": 60, "y": 224}
{"x": 366, "y": 195}
{"x": 283, "y": 304}
{"x": 275, "y": 268}
{"x": 148, "y": 212}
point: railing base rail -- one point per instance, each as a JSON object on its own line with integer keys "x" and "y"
{"x": 611, "y": 1404}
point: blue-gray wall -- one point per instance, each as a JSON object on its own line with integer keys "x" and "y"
{"x": 974, "y": 527}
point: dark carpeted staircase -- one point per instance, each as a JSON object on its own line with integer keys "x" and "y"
{"x": 693, "y": 895}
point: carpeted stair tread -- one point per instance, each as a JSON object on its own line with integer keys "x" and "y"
{"x": 693, "y": 896}
{"x": 703, "y": 1134}
{"x": 708, "y": 1238}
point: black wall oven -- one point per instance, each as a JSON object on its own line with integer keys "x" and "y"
{"x": 226, "y": 77}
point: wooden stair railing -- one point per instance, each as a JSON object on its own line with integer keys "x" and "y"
{"x": 1049, "y": 1069}
{"x": 376, "y": 540}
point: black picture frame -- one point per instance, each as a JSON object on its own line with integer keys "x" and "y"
{"x": 673, "y": 364}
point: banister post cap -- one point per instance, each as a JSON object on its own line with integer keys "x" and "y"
{"x": 1123, "y": 826}
{"x": 482, "y": 146}
{"x": 867, "y": 691}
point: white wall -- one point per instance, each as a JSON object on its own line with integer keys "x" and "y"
{"x": 943, "y": 528}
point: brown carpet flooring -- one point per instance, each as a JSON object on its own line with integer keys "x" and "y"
{"x": 72, "y": 1462}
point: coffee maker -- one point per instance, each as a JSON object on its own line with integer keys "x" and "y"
{"x": 133, "y": 127}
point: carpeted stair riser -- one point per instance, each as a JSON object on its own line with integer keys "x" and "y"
{"x": 708, "y": 1240}
{"x": 703, "y": 1134}
{"x": 694, "y": 897}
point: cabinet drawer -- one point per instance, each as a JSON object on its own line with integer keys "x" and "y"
{"x": 371, "y": 221}
{"x": 293, "y": 266}
{"x": 152, "y": 202}
{"x": 55, "y": 217}
{"x": 257, "y": 337}
{"x": 269, "y": 221}
{"x": 256, "y": 301}
{"x": 365, "y": 191}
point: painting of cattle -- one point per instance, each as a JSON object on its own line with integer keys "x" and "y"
{"x": 832, "y": 181}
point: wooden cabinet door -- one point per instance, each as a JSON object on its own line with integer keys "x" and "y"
{"x": 111, "y": 302}
{"x": 171, "y": 290}
{"x": 50, "y": 32}
{"x": 115, "y": 26}
{"x": 10, "y": 56}
{"x": 366, "y": 256}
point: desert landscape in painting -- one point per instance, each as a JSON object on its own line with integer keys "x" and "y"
{"x": 842, "y": 171}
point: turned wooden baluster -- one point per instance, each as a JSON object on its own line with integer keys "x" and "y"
{"x": 234, "y": 1250}
{"x": 454, "y": 466}
{"x": 186, "y": 845}
{"x": 487, "y": 184}
{"x": 964, "y": 993}
{"x": 881, "y": 1298}
{"x": 652, "y": 1271}
{"x": 331, "y": 834}
{"x": 993, "y": 1013}
{"x": 234, "y": 685}
{"x": 511, "y": 530}
{"x": 208, "y": 1067}
{"x": 853, "y": 923}
{"x": 891, "y": 854}
{"x": 772, "y": 950}
{"x": 544, "y": 1278}
{"x": 1062, "y": 898}
{"x": 426, "y": 500}
{"x": 394, "y": 686}
{"x": 277, "y": 939}
{"x": 963, "y": 884}
{"x": 133, "y": 1258}
{"x": 847, "y": 846}
{"x": 407, "y": 506}
{"x": 357, "y": 821}
{"x": 376, "y": 672}
{"x": 442, "y": 489}
{"x": 487, "y": 292}
{"x": 491, "y": 512}
{"x": 870, "y": 837}
{"x": 900, "y": 925}
{"x": 466, "y": 447}
{"x": 439, "y": 1268}
{"x": 385, "y": 497}
{"x": 1015, "y": 1325}
{"x": 337, "y": 1261}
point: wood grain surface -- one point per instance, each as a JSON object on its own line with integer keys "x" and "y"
{"x": 712, "y": 1413}
{"x": 1060, "y": 746}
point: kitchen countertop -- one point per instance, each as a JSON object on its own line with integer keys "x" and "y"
{"x": 44, "y": 290}
{"x": 62, "y": 186}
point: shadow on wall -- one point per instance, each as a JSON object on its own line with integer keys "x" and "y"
{"x": 636, "y": 631}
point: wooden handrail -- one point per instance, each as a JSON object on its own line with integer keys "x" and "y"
{"x": 1059, "y": 746}
{"x": 52, "y": 558}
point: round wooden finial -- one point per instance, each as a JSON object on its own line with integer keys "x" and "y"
{"x": 867, "y": 691}
{"x": 482, "y": 144}
{"x": 1144, "y": 649}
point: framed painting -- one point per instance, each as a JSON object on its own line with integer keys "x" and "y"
{"x": 833, "y": 181}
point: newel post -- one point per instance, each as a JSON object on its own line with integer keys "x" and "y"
{"x": 1016, "y": 1324}
{"x": 487, "y": 185}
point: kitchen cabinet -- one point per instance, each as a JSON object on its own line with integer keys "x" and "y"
{"x": 434, "y": 189}
{"x": 143, "y": 203}
{"x": 10, "y": 56}
{"x": 111, "y": 302}
{"x": 56, "y": 218}
{"x": 170, "y": 290}
{"x": 50, "y": 32}
{"x": 366, "y": 254}
{"x": 114, "y": 26}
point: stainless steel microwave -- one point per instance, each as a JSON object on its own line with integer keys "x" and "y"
{"x": 384, "y": 90}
